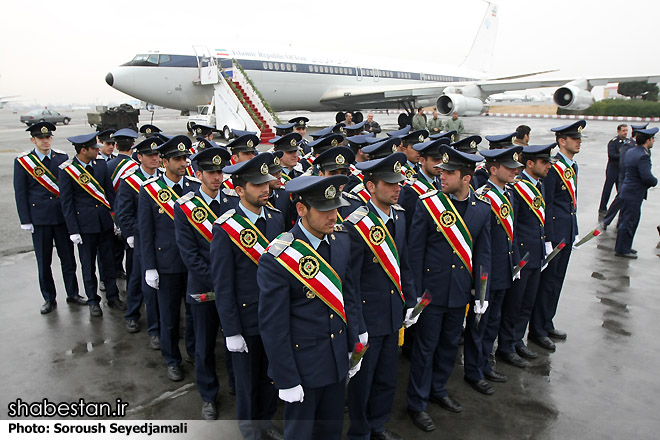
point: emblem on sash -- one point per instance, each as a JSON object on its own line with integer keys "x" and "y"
{"x": 505, "y": 211}
{"x": 409, "y": 173}
{"x": 568, "y": 173}
{"x": 248, "y": 238}
{"x": 84, "y": 178}
{"x": 448, "y": 219}
{"x": 538, "y": 202}
{"x": 308, "y": 266}
{"x": 164, "y": 196}
{"x": 376, "y": 235}
{"x": 199, "y": 215}
{"x": 39, "y": 171}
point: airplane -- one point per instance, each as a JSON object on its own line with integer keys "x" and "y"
{"x": 294, "y": 82}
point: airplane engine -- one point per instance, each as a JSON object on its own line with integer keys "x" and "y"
{"x": 463, "y": 105}
{"x": 572, "y": 97}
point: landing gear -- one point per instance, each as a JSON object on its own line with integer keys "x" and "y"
{"x": 357, "y": 117}
{"x": 339, "y": 117}
{"x": 404, "y": 119}
{"x": 226, "y": 132}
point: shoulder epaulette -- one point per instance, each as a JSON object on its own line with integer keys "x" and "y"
{"x": 339, "y": 228}
{"x": 351, "y": 196}
{"x": 357, "y": 215}
{"x": 398, "y": 207}
{"x": 65, "y": 164}
{"x": 282, "y": 242}
{"x": 357, "y": 188}
{"x": 194, "y": 179}
{"x": 614, "y": 138}
{"x": 429, "y": 194}
{"x": 272, "y": 208}
{"x": 186, "y": 197}
{"x": 24, "y": 153}
{"x": 226, "y": 216}
{"x": 482, "y": 198}
{"x": 57, "y": 151}
{"x": 229, "y": 192}
{"x": 129, "y": 172}
{"x": 308, "y": 171}
{"x": 153, "y": 179}
{"x": 483, "y": 190}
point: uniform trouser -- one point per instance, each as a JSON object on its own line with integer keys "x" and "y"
{"x": 479, "y": 339}
{"x": 547, "y": 298}
{"x": 206, "y": 322}
{"x": 612, "y": 211}
{"x": 118, "y": 246}
{"x": 256, "y": 396}
{"x": 172, "y": 290}
{"x": 371, "y": 390}
{"x": 42, "y": 240}
{"x": 630, "y": 216}
{"x": 138, "y": 291}
{"x": 611, "y": 179}
{"x": 517, "y": 309}
{"x": 91, "y": 244}
{"x": 320, "y": 416}
{"x": 434, "y": 354}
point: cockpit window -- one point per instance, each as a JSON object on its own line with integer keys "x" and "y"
{"x": 153, "y": 59}
{"x": 164, "y": 59}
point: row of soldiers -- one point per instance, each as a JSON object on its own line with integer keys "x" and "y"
{"x": 304, "y": 262}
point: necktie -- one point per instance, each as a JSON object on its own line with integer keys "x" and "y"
{"x": 215, "y": 207}
{"x": 390, "y": 227}
{"x": 177, "y": 189}
{"x": 46, "y": 161}
{"x": 90, "y": 169}
{"x": 261, "y": 224}
{"x": 324, "y": 251}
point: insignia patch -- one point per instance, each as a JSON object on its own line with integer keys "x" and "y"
{"x": 44, "y": 130}
{"x": 276, "y": 161}
{"x": 580, "y": 129}
{"x": 181, "y": 147}
{"x": 409, "y": 173}
{"x": 445, "y": 158}
{"x": 340, "y": 160}
{"x": 199, "y": 215}
{"x": 330, "y": 192}
{"x": 85, "y": 179}
{"x": 448, "y": 219}
{"x": 154, "y": 145}
{"x": 198, "y": 130}
{"x": 515, "y": 157}
{"x": 397, "y": 167}
{"x": 250, "y": 143}
{"x": 216, "y": 160}
{"x": 40, "y": 171}
{"x": 164, "y": 196}
{"x": 376, "y": 235}
{"x": 393, "y": 148}
{"x": 505, "y": 211}
{"x": 293, "y": 143}
{"x": 264, "y": 169}
{"x": 248, "y": 238}
{"x": 148, "y": 131}
{"x": 309, "y": 266}
{"x": 421, "y": 138}
{"x": 334, "y": 143}
{"x": 538, "y": 202}
{"x": 568, "y": 173}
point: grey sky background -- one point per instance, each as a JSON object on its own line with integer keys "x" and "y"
{"x": 59, "y": 52}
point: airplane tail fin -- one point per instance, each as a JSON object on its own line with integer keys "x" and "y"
{"x": 481, "y": 53}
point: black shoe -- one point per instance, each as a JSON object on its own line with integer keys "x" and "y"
{"x": 422, "y": 420}
{"x": 447, "y": 403}
{"x": 513, "y": 359}
{"x": 658, "y": 228}
{"x": 209, "y": 409}
{"x": 543, "y": 341}
{"x": 95, "y": 310}
{"x": 175, "y": 373}
{"x": 385, "y": 435}
{"x": 494, "y": 376}
{"x": 481, "y": 386}
{"x": 132, "y": 326}
{"x": 101, "y": 286}
{"x": 48, "y": 307}
{"x": 633, "y": 251}
{"x": 121, "y": 275}
{"x": 154, "y": 342}
{"x": 117, "y": 304}
{"x": 629, "y": 255}
{"x": 557, "y": 334}
{"x": 76, "y": 300}
{"x": 526, "y": 352}
{"x": 272, "y": 433}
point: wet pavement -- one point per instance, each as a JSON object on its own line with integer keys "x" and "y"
{"x": 600, "y": 383}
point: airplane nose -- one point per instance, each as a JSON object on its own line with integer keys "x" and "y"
{"x": 109, "y": 79}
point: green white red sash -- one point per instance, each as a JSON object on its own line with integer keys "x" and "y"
{"x": 451, "y": 224}
{"x": 376, "y": 235}
{"x": 135, "y": 180}
{"x": 315, "y": 273}
{"x": 532, "y": 196}
{"x": 284, "y": 178}
{"x": 189, "y": 169}
{"x": 408, "y": 171}
{"x": 421, "y": 186}
{"x": 120, "y": 171}
{"x": 568, "y": 177}
{"x": 360, "y": 191}
{"x": 200, "y": 216}
{"x": 501, "y": 207}
{"x": 244, "y": 234}
{"x": 357, "y": 173}
{"x": 162, "y": 195}
{"x": 87, "y": 182}
{"x": 40, "y": 172}
{"x": 227, "y": 183}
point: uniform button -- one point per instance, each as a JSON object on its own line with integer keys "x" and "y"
{"x": 341, "y": 331}
{"x": 244, "y": 305}
{"x": 364, "y": 302}
{"x": 392, "y": 292}
{"x": 159, "y": 249}
{"x": 332, "y": 315}
{"x": 96, "y": 206}
{"x": 332, "y": 336}
{"x": 50, "y": 198}
{"x": 428, "y": 270}
{"x": 297, "y": 346}
{"x": 461, "y": 267}
{"x": 78, "y": 212}
{"x": 34, "y": 204}
{"x": 453, "y": 266}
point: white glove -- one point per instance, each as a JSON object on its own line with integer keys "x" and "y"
{"x": 117, "y": 230}
{"x": 131, "y": 242}
{"x": 356, "y": 368}
{"x": 517, "y": 277}
{"x": 364, "y": 338}
{"x": 236, "y": 344}
{"x": 478, "y": 309}
{"x": 28, "y": 227}
{"x": 548, "y": 247}
{"x": 152, "y": 278}
{"x": 292, "y": 395}
{"x": 410, "y": 321}
{"x": 75, "y": 238}
{"x": 577, "y": 238}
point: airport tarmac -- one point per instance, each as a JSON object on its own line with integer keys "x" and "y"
{"x": 601, "y": 383}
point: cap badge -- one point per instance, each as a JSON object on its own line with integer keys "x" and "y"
{"x": 248, "y": 238}
{"x": 473, "y": 144}
{"x": 330, "y": 192}
{"x": 452, "y": 138}
{"x": 376, "y": 235}
{"x": 397, "y": 167}
{"x": 148, "y": 130}
{"x": 154, "y": 145}
{"x": 505, "y": 210}
{"x": 164, "y": 195}
{"x": 181, "y": 146}
{"x": 85, "y": 178}
{"x": 250, "y": 143}
{"x": 308, "y": 267}
{"x": 44, "y": 130}
{"x": 39, "y": 171}
{"x": 199, "y": 215}
{"x": 264, "y": 169}
{"x": 513, "y": 139}
{"x": 276, "y": 161}
{"x": 515, "y": 157}
{"x": 580, "y": 129}
{"x": 421, "y": 138}
{"x": 340, "y": 160}
{"x": 393, "y": 148}
{"x": 538, "y": 202}
{"x": 293, "y": 143}
{"x": 216, "y": 160}
{"x": 334, "y": 143}
{"x": 445, "y": 158}
{"x": 447, "y": 219}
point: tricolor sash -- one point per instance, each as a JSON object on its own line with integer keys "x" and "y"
{"x": 284, "y": 178}
{"x": 360, "y": 191}
{"x": 199, "y": 214}
{"x": 501, "y": 207}
{"x": 421, "y": 186}
{"x": 376, "y": 235}
{"x": 162, "y": 195}
{"x": 244, "y": 234}
{"x": 190, "y": 171}
{"x": 227, "y": 183}
{"x": 41, "y": 174}
{"x": 135, "y": 180}
{"x": 568, "y": 177}
{"x": 357, "y": 173}
{"x": 532, "y": 196}
{"x": 120, "y": 171}
{"x": 315, "y": 273}
{"x": 451, "y": 224}
{"x": 87, "y": 182}
{"x": 408, "y": 171}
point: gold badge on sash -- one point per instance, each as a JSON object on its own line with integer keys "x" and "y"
{"x": 409, "y": 173}
{"x": 39, "y": 171}
{"x": 248, "y": 238}
{"x": 309, "y": 266}
{"x": 447, "y": 219}
{"x": 538, "y": 202}
{"x": 376, "y": 235}
{"x": 199, "y": 215}
{"x": 85, "y": 179}
{"x": 164, "y": 196}
{"x": 505, "y": 211}
{"x": 568, "y": 173}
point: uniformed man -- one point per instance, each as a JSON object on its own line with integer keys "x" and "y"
{"x": 449, "y": 246}
{"x": 194, "y": 214}
{"x": 612, "y": 169}
{"x": 279, "y": 198}
{"x": 385, "y": 289}
{"x": 502, "y": 167}
{"x": 408, "y": 147}
{"x": 106, "y": 145}
{"x": 241, "y": 236}
{"x": 522, "y": 135}
{"x": 149, "y": 130}
{"x": 203, "y": 131}
{"x": 337, "y": 129}
{"x": 337, "y": 161}
{"x": 126, "y": 211}
{"x": 308, "y": 314}
{"x": 496, "y": 142}
{"x": 355, "y": 143}
{"x": 383, "y": 148}
{"x": 419, "y": 120}
{"x": 353, "y": 130}
{"x": 451, "y": 135}
{"x": 528, "y": 236}
{"x": 318, "y": 146}
{"x": 282, "y": 129}
{"x": 161, "y": 257}
{"x": 638, "y": 180}
{"x": 87, "y": 200}
{"x": 242, "y": 149}
{"x": 560, "y": 224}
{"x": 37, "y": 194}
{"x": 290, "y": 145}
{"x": 300, "y": 127}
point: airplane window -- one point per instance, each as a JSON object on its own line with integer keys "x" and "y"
{"x": 164, "y": 59}
{"x": 277, "y": 66}
{"x": 288, "y": 67}
{"x": 265, "y": 65}
{"x": 326, "y": 69}
{"x": 270, "y": 66}
{"x": 294, "y": 67}
{"x": 153, "y": 59}
{"x": 350, "y": 71}
{"x": 316, "y": 68}
{"x": 336, "y": 70}
{"x": 140, "y": 57}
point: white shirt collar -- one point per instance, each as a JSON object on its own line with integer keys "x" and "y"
{"x": 208, "y": 199}
{"x": 41, "y": 155}
{"x": 494, "y": 185}
{"x": 171, "y": 184}
{"x": 531, "y": 179}
{"x": 313, "y": 240}
{"x": 568, "y": 161}
{"x": 249, "y": 214}
{"x": 384, "y": 217}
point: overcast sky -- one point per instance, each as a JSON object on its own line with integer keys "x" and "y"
{"x": 59, "y": 52}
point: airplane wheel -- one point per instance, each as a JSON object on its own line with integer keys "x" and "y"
{"x": 189, "y": 125}
{"x": 404, "y": 119}
{"x": 358, "y": 117}
{"x": 226, "y": 132}
{"x": 339, "y": 117}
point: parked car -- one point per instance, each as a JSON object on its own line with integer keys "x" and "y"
{"x": 46, "y": 115}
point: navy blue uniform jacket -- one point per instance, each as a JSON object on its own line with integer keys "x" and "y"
{"x": 638, "y": 174}
{"x": 528, "y": 232}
